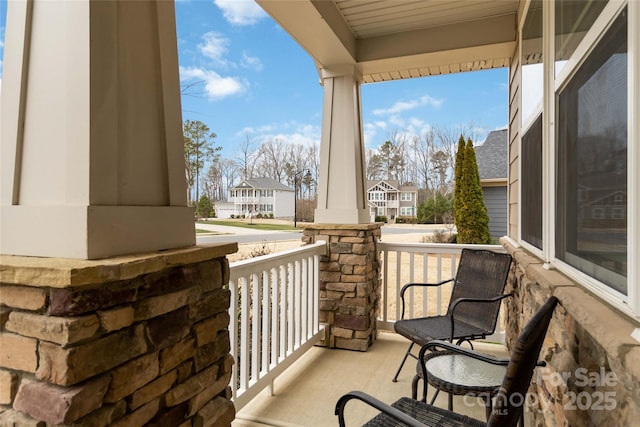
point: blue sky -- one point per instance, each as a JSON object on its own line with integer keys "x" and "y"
{"x": 257, "y": 82}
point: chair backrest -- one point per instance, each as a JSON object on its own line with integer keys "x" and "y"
{"x": 513, "y": 392}
{"x": 481, "y": 274}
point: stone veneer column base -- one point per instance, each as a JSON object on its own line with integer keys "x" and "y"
{"x": 349, "y": 283}
{"x": 125, "y": 341}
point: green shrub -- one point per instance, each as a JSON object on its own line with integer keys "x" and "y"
{"x": 381, "y": 218}
{"x": 204, "y": 207}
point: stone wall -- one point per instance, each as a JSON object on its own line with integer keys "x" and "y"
{"x": 593, "y": 363}
{"x": 126, "y": 341}
{"x": 349, "y": 283}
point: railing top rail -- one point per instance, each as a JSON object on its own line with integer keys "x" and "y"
{"x": 445, "y": 248}
{"x": 238, "y": 268}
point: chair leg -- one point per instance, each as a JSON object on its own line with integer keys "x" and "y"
{"x": 404, "y": 359}
{"x": 414, "y": 387}
{"x": 433, "y": 399}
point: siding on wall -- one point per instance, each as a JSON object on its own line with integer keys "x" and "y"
{"x": 495, "y": 199}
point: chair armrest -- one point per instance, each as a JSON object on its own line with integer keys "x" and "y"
{"x": 372, "y": 401}
{"x": 446, "y": 345}
{"x": 454, "y": 305}
{"x": 410, "y": 285}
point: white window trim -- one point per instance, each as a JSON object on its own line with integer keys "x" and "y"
{"x": 629, "y": 304}
{"x": 524, "y": 128}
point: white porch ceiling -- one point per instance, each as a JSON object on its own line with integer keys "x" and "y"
{"x": 397, "y": 39}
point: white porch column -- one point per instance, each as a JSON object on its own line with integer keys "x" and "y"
{"x": 341, "y": 191}
{"x": 92, "y": 161}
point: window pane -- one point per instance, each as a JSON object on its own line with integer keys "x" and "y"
{"x": 532, "y": 71}
{"x": 573, "y": 19}
{"x": 592, "y": 163}
{"x": 532, "y": 184}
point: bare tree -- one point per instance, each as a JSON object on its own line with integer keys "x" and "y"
{"x": 247, "y": 157}
{"x": 374, "y": 165}
{"x": 273, "y": 156}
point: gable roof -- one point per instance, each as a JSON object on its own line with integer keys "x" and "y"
{"x": 392, "y": 183}
{"x": 263, "y": 183}
{"x": 492, "y": 155}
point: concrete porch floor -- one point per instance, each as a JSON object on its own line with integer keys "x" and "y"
{"x": 306, "y": 394}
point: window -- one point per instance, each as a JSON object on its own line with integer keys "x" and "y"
{"x": 592, "y": 154}
{"x": 406, "y": 211}
{"x": 376, "y": 195}
{"x": 380, "y": 211}
{"x": 617, "y": 213}
{"x": 405, "y": 197}
{"x": 532, "y": 184}
{"x": 532, "y": 72}
{"x": 597, "y": 213}
{"x": 573, "y": 20}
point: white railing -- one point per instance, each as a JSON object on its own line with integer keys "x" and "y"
{"x": 418, "y": 262}
{"x": 273, "y": 316}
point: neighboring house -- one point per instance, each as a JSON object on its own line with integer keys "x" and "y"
{"x": 389, "y": 198}
{"x": 255, "y": 196}
{"x": 492, "y": 160}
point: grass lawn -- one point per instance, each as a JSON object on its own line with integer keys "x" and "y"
{"x": 257, "y": 225}
{"x": 201, "y": 231}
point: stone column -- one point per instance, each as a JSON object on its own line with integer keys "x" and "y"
{"x": 135, "y": 340}
{"x": 341, "y": 191}
{"x": 349, "y": 283}
{"x": 92, "y": 159}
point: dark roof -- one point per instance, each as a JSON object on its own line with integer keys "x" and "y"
{"x": 492, "y": 155}
{"x": 264, "y": 184}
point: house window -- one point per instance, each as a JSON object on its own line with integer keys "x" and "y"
{"x": 592, "y": 154}
{"x": 597, "y": 213}
{"x": 573, "y": 20}
{"x": 406, "y": 211}
{"x": 380, "y": 211}
{"x": 617, "y": 213}
{"x": 376, "y": 195}
{"x": 532, "y": 184}
{"x": 405, "y": 197}
{"x": 532, "y": 71}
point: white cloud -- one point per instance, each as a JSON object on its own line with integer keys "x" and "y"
{"x": 251, "y": 62}
{"x": 290, "y": 132}
{"x": 216, "y": 86}
{"x": 214, "y": 47}
{"x": 397, "y": 121}
{"x": 401, "y": 106}
{"x": 241, "y": 12}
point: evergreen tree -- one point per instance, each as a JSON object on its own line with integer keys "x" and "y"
{"x": 433, "y": 211}
{"x": 457, "y": 199}
{"x": 205, "y": 207}
{"x": 473, "y": 217}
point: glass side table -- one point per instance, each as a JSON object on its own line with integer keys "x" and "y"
{"x": 461, "y": 375}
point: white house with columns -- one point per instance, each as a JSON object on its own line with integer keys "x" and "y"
{"x": 96, "y": 235}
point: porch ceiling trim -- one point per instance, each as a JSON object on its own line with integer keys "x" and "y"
{"x": 429, "y": 38}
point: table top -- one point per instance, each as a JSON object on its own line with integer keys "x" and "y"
{"x": 465, "y": 371}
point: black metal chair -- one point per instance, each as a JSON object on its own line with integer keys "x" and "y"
{"x": 473, "y": 308}
{"x": 508, "y": 401}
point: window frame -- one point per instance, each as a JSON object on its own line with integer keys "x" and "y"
{"x": 629, "y": 304}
